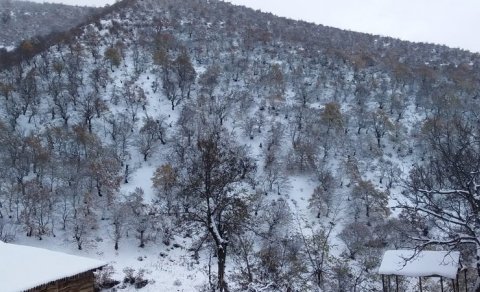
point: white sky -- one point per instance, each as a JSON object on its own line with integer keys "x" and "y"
{"x": 451, "y": 22}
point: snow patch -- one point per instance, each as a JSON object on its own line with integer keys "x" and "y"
{"x": 424, "y": 264}
{"x": 24, "y": 267}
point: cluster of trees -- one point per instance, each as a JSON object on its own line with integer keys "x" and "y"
{"x": 231, "y": 105}
{"x": 443, "y": 192}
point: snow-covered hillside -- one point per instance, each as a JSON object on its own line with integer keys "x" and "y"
{"x": 20, "y": 20}
{"x": 184, "y": 141}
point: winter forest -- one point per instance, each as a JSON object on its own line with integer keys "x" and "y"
{"x": 199, "y": 146}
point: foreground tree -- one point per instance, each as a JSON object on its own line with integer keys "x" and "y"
{"x": 446, "y": 189}
{"x": 217, "y": 191}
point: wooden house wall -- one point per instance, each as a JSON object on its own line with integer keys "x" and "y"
{"x": 80, "y": 283}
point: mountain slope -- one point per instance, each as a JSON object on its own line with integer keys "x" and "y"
{"x": 196, "y": 137}
{"x": 22, "y": 20}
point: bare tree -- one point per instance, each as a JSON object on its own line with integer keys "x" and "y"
{"x": 446, "y": 190}
{"x": 120, "y": 130}
{"x": 119, "y": 211}
{"x": 185, "y": 73}
{"x": 381, "y": 125}
{"x": 322, "y": 199}
{"x": 373, "y": 201}
{"x": 216, "y": 183}
{"x": 82, "y": 224}
{"x": 165, "y": 181}
{"x": 143, "y": 217}
{"x": 151, "y": 134}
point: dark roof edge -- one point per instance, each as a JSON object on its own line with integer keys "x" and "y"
{"x": 64, "y": 279}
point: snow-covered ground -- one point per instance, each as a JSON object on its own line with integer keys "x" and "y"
{"x": 173, "y": 267}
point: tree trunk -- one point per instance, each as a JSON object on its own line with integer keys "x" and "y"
{"x": 221, "y": 246}
{"x": 367, "y": 210}
{"x": 88, "y": 122}
{"x": 79, "y": 243}
{"x": 477, "y": 284}
{"x": 142, "y": 242}
{"x": 221, "y": 260}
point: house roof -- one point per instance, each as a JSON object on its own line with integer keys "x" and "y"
{"x": 423, "y": 264}
{"x": 25, "y": 267}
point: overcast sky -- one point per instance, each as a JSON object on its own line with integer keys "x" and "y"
{"x": 451, "y": 22}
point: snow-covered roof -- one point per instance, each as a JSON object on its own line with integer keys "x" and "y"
{"x": 424, "y": 264}
{"x": 25, "y": 267}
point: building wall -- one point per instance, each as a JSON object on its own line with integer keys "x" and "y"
{"x": 80, "y": 283}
